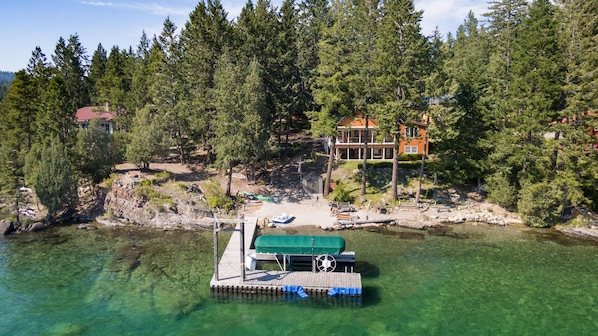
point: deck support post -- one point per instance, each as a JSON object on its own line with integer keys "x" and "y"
{"x": 313, "y": 260}
{"x": 216, "y": 276}
{"x": 242, "y": 232}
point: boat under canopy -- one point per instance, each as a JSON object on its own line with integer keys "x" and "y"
{"x": 299, "y": 244}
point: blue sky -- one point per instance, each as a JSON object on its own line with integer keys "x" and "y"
{"x": 30, "y": 23}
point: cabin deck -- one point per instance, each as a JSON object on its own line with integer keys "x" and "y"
{"x": 265, "y": 281}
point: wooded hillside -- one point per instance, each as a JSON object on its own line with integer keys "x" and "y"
{"x": 510, "y": 97}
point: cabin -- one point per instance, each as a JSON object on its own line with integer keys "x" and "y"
{"x": 85, "y": 114}
{"x": 350, "y": 143}
{"x": 587, "y": 119}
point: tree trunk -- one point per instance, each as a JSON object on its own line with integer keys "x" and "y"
{"x": 230, "y": 179}
{"x": 181, "y": 148}
{"x": 364, "y": 177}
{"x": 331, "y": 149}
{"x": 395, "y": 169}
{"x": 287, "y": 131}
{"x": 555, "y": 152}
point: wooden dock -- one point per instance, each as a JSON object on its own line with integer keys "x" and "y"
{"x": 229, "y": 274}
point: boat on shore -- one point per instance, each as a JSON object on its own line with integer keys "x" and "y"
{"x": 282, "y": 219}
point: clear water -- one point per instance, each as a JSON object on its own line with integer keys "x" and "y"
{"x": 478, "y": 281}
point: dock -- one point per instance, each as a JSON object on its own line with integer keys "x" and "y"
{"x": 228, "y": 278}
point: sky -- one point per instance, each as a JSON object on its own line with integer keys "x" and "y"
{"x": 29, "y": 23}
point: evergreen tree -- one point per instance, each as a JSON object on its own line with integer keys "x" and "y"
{"x": 97, "y": 69}
{"x": 114, "y": 85}
{"x": 401, "y": 65}
{"x": 11, "y": 177}
{"x": 205, "y": 37}
{"x": 331, "y": 92}
{"x": 458, "y": 113}
{"x": 55, "y": 117}
{"x": 240, "y": 128}
{"x": 147, "y": 138}
{"x": 579, "y": 22}
{"x": 258, "y": 31}
{"x": 313, "y": 18}
{"x": 95, "y": 151}
{"x": 167, "y": 88}
{"x": 56, "y": 183}
{"x": 290, "y": 87}
{"x": 19, "y": 112}
{"x": 71, "y": 62}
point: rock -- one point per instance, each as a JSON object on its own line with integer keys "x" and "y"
{"x": 6, "y": 227}
{"x": 127, "y": 207}
{"x": 37, "y": 227}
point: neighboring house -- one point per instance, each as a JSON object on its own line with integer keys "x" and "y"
{"x": 86, "y": 114}
{"x": 589, "y": 119}
{"x": 350, "y": 143}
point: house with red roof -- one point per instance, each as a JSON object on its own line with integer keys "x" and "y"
{"x": 86, "y": 114}
{"x": 350, "y": 143}
{"x": 587, "y": 119}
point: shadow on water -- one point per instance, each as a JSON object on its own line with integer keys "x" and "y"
{"x": 550, "y": 235}
{"x": 367, "y": 270}
{"x": 371, "y": 296}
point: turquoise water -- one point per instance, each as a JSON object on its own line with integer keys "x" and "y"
{"x": 479, "y": 280}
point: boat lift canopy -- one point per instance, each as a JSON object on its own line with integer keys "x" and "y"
{"x": 299, "y": 244}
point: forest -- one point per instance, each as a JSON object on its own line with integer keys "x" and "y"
{"x": 5, "y": 79}
{"x": 509, "y": 98}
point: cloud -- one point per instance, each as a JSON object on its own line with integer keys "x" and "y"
{"x": 448, "y": 14}
{"x": 153, "y": 8}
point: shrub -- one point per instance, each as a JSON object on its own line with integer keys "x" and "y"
{"x": 341, "y": 194}
{"x": 110, "y": 180}
{"x": 149, "y": 194}
{"x": 540, "y": 204}
{"x": 216, "y": 198}
{"x": 162, "y": 177}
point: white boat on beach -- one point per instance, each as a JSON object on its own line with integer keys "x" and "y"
{"x": 282, "y": 219}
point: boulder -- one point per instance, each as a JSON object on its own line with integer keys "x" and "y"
{"x": 6, "y": 227}
{"x": 37, "y": 227}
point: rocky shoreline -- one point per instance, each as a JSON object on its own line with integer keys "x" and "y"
{"x": 122, "y": 207}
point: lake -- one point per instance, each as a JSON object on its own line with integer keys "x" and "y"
{"x": 478, "y": 280}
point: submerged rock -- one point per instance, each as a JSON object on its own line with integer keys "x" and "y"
{"x": 6, "y": 227}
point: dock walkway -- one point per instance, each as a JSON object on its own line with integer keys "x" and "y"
{"x": 265, "y": 281}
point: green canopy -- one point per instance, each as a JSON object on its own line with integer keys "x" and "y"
{"x": 299, "y": 244}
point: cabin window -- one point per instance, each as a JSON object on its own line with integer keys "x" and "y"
{"x": 411, "y": 132}
{"x": 410, "y": 149}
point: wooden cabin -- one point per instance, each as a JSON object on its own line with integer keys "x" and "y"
{"x": 350, "y": 143}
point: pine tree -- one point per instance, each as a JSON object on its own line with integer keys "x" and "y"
{"x": 95, "y": 152}
{"x": 290, "y": 87}
{"x": 168, "y": 86}
{"x": 240, "y": 127}
{"x": 56, "y": 183}
{"x": 71, "y": 62}
{"x": 578, "y": 41}
{"x": 331, "y": 91}
{"x": 401, "y": 64}
{"x": 11, "y": 177}
{"x": 313, "y": 18}
{"x": 19, "y": 112}
{"x": 55, "y": 117}
{"x": 258, "y": 31}
{"x": 97, "y": 69}
{"x": 204, "y": 38}
{"x": 458, "y": 115}
{"x": 147, "y": 138}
